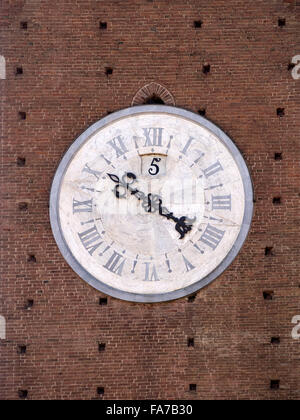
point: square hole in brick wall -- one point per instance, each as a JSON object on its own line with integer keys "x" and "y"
{"x": 102, "y": 301}
{"x": 21, "y": 161}
{"x": 278, "y": 155}
{"x": 22, "y": 115}
{"x": 291, "y": 66}
{"x": 190, "y": 342}
{"x": 193, "y": 387}
{"x": 24, "y": 25}
{"x": 19, "y": 70}
{"x": 109, "y": 71}
{"x": 22, "y": 349}
{"x": 269, "y": 251}
{"x": 280, "y": 112}
{"x": 23, "y": 206}
{"x": 206, "y": 68}
{"x": 197, "y": 24}
{"x": 268, "y": 294}
{"x": 29, "y": 304}
{"x": 202, "y": 112}
{"x": 101, "y": 347}
{"x": 275, "y": 384}
{"x": 23, "y": 393}
{"x": 100, "y": 390}
{"x": 276, "y": 200}
{"x": 275, "y": 340}
{"x": 281, "y": 22}
{"x": 31, "y": 258}
{"x": 191, "y": 298}
{"x": 103, "y": 25}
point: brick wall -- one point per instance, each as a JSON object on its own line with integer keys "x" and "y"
{"x": 56, "y": 55}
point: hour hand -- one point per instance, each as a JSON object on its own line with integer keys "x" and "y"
{"x": 183, "y": 224}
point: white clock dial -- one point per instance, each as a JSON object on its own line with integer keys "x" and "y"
{"x": 151, "y": 203}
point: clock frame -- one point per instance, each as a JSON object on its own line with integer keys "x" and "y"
{"x": 109, "y": 120}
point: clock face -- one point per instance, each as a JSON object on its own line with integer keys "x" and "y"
{"x": 151, "y": 203}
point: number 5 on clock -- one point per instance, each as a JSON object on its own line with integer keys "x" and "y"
{"x": 153, "y": 165}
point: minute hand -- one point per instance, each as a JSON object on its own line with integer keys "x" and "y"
{"x": 151, "y": 203}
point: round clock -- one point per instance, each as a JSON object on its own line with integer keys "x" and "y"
{"x": 151, "y": 203}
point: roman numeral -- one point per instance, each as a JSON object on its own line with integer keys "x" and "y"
{"x": 89, "y": 239}
{"x": 211, "y": 170}
{"x": 186, "y": 147}
{"x": 188, "y": 265}
{"x": 153, "y": 136}
{"x": 115, "y": 263}
{"x": 87, "y": 169}
{"x": 212, "y": 236}
{"x": 118, "y": 145}
{"x": 221, "y": 202}
{"x": 150, "y": 272}
{"x": 82, "y": 206}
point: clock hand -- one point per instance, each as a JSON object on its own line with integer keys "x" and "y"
{"x": 183, "y": 224}
{"x": 151, "y": 202}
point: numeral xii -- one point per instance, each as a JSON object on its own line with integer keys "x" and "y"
{"x": 153, "y": 136}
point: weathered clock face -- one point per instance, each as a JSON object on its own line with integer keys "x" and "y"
{"x": 151, "y": 203}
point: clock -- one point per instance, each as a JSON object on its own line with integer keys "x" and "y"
{"x": 151, "y": 203}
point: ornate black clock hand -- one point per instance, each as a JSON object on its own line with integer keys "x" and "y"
{"x": 151, "y": 203}
{"x": 183, "y": 224}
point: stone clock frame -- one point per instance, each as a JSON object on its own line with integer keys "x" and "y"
{"x": 148, "y": 298}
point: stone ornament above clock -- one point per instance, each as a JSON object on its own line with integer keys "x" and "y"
{"x": 151, "y": 203}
